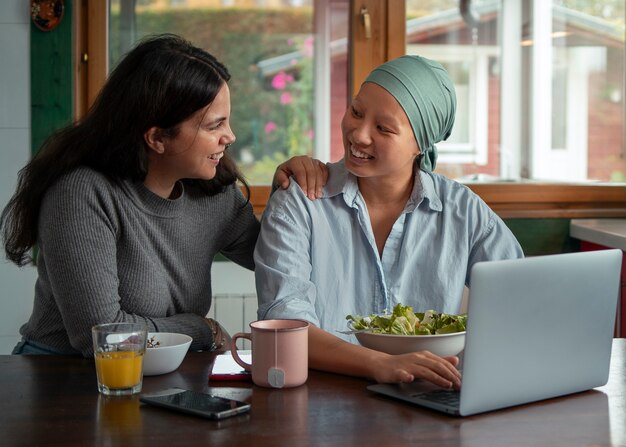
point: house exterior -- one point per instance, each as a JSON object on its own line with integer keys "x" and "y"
{"x": 587, "y": 105}
{"x": 586, "y": 100}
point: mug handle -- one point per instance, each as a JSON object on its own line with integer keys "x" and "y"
{"x": 233, "y": 349}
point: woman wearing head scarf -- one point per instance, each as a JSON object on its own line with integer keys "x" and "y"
{"x": 386, "y": 231}
{"x": 129, "y": 206}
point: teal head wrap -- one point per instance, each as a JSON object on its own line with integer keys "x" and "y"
{"x": 426, "y": 93}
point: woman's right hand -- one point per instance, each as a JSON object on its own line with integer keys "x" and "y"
{"x": 424, "y": 365}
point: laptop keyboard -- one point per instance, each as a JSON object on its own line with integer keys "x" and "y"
{"x": 445, "y": 397}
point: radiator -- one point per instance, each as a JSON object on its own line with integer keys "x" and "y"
{"x": 235, "y": 313}
{"x": 234, "y": 298}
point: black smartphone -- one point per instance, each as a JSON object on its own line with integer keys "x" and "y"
{"x": 193, "y": 402}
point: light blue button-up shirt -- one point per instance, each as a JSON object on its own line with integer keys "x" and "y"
{"x": 318, "y": 261}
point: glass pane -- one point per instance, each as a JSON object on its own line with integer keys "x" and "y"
{"x": 591, "y": 33}
{"x": 459, "y": 73}
{"x": 541, "y": 90}
{"x": 339, "y": 17}
{"x": 436, "y": 30}
{"x": 268, "y": 48}
{"x": 559, "y": 104}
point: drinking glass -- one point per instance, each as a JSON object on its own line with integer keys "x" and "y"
{"x": 119, "y": 350}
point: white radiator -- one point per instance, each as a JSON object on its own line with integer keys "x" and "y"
{"x": 234, "y": 298}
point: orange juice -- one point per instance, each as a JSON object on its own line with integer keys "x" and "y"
{"x": 119, "y": 369}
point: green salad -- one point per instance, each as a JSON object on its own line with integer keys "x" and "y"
{"x": 403, "y": 321}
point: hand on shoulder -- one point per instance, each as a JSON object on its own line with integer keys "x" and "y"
{"x": 310, "y": 173}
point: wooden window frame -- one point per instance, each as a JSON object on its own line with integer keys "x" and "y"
{"x": 509, "y": 200}
{"x": 386, "y": 41}
{"x": 91, "y": 52}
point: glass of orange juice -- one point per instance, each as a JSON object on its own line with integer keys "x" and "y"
{"x": 119, "y": 349}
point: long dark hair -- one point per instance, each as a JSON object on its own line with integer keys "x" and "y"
{"x": 161, "y": 82}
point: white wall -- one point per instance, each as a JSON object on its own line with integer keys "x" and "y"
{"x": 16, "y": 285}
{"x": 233, "y": 286}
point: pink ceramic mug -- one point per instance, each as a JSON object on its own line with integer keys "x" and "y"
{"x": 280, "y": 352}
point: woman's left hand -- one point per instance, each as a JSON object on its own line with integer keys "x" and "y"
{"x": 310, "y": 173}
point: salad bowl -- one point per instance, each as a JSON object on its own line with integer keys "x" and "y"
{"x": 404, "y": 331}
{"x": 440, "y": 344}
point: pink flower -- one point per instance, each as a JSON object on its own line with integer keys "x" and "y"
{"x": 280, "y": 81}
{"x": 270, "y": 127}
{"x": 286, "y": 98}
{"x": 308, "y": 46}
{"x": 310, "y": 134}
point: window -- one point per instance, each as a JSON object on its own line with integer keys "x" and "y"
{"x": 495, "y": 57}
{"x": 539, "y": 86}
{"x": 282, "y": 56}
{"x": 469, "y": 69}
{"x": 270, "y": 50}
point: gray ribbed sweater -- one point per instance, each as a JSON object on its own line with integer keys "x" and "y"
{"x": 117, "y": 252}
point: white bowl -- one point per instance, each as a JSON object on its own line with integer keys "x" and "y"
{"x": 168, "y": 355}
{"x": 439, "y": 344}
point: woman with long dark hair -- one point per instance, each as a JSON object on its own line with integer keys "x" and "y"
{"x": 128, "y": 207}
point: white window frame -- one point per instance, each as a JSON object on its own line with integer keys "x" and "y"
{"x": 476, "y": 149}
{"x": 569, "y": 163}
{"x": 321, "y": 79}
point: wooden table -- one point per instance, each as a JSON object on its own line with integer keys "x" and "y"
{"x": 53, "y": 400}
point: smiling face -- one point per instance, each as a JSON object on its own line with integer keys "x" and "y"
{"x": 194, "y": 151}
{"x": 377, "y": 136}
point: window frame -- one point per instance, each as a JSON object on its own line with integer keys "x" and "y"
{"x": 387, "y": 41}
{"x": 524, "y": 199}
{"x": 475, "y": 149}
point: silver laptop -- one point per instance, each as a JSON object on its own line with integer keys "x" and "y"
{"x": 537, "y": 328}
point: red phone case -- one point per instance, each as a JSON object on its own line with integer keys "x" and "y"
{"x": 236, "y": 376}
{"x": 225, "y": 368}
